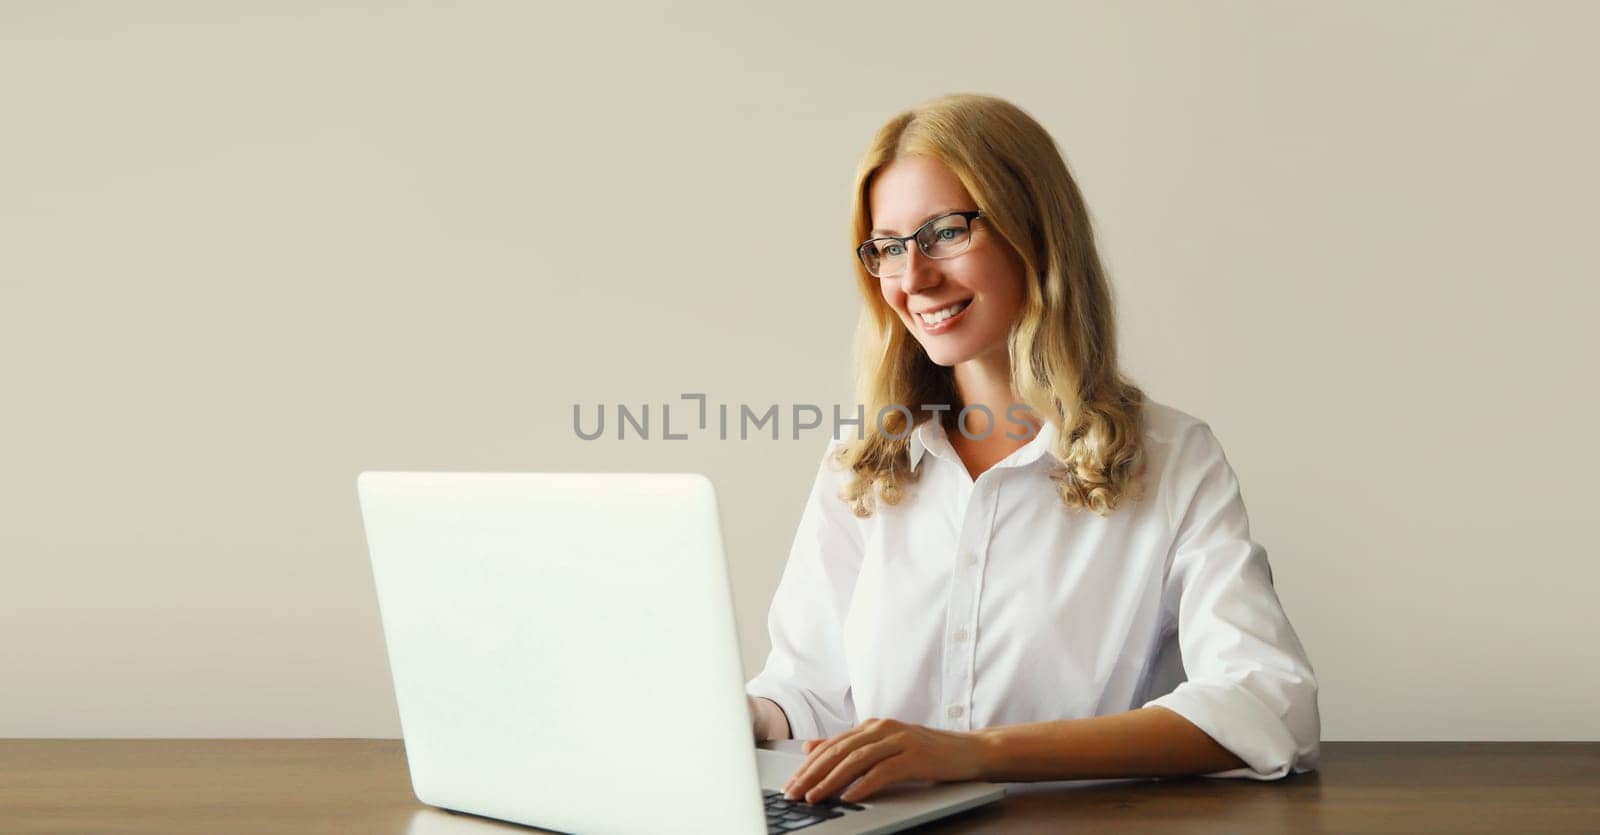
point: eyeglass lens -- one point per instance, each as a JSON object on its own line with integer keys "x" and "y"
{"x": 941, "y": 238}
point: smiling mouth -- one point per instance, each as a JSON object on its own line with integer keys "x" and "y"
{"x": 945, "y": 313}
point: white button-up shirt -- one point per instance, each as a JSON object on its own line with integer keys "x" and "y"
{"x": 979, "y": 603}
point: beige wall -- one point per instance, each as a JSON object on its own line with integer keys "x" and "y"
{"x": 247, "y": 251}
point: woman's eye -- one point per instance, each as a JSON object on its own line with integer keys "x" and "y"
{"x": 952, "y": 234}
{"x": 893, "y": 249}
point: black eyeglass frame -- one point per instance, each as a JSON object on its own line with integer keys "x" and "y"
{"x": 861, "y": 250}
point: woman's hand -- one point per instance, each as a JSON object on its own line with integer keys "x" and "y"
{"x": 880, "y": 752}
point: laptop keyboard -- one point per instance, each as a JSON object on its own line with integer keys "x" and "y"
{"x": 784, "y": 815}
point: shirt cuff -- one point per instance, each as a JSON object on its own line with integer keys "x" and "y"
{"x": 1243, "y": 724}
{"x": 802, "y": 722}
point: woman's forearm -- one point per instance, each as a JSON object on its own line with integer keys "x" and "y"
{"x": 771, "y": 723}
{"x": 1148, "y": 742}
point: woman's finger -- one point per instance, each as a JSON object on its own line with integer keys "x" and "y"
{"x": 848, "y": 768}
{"x": 820, "y": 761}
{"x": 809, "y": 771}
{"x": 886, "y": 772}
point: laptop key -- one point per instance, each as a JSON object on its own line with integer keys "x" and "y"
{"x": 785, "y": 815}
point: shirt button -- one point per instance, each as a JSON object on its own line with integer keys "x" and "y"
{"x": 954, "y": 712}
{"x": 972, "y": 559}
{"x": 961, "y": 635}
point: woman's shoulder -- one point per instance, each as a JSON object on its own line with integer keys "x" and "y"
{"x": 1167, "y": 426}
{"x": 1181, "y": 448}
{"x": 1176, "y": 439}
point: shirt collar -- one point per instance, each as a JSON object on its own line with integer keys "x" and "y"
{"x": 920, "y": 437}
{"x": 930, "y": 436}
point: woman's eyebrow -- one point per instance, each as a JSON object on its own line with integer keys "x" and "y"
{"x": 877, "y": 232}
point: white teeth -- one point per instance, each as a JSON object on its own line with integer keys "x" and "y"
{"x": 938, "y": 316}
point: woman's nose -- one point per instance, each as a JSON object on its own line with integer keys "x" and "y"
{"x": 921, "y": 272}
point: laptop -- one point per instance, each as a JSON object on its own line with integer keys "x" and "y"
{"x": 564, "y": 656}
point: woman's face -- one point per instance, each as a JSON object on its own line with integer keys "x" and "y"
{"x": 985, "y": 280}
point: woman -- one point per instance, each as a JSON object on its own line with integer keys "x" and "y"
{"x": 1021, "y": 568}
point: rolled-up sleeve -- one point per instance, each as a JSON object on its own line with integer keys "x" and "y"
{"x": 1249, "y": 683}
{"x": 806, "y": 672}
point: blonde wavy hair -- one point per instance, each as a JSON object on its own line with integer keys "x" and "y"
{"x": 1063, "y": 346}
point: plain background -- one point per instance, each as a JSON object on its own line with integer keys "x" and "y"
{"x": 251, "y": 249}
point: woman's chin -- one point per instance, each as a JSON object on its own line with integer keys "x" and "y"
{"x": 942, "y": 355}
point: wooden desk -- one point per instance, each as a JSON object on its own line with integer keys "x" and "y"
{"x": 362, "y": 786}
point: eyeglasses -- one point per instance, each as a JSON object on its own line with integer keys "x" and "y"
{"x": 945, "y": 236}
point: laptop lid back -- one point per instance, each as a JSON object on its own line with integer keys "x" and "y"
{"x": 563, "y": 648}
